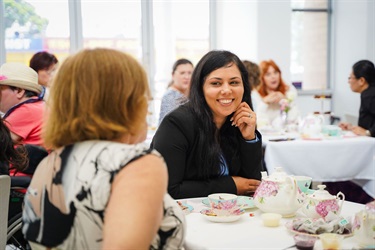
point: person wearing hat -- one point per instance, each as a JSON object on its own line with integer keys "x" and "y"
{"x": 23, "y": 109}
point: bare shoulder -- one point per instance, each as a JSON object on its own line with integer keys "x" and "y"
{"x": 149, "y": 165}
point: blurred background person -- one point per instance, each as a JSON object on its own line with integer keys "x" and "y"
{"x": 178, "y": 89}
{"x": 362, "y": 80}
{"x": 271, "y": 90}
{"x": 23, "y": 109}
{"x": 210, "y": 143}
{"x": 253, "y": 71}
{"x": 45, "y": 64}
{"x": 101, "y": 187}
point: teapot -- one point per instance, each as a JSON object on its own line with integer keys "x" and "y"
{"x": 364, "y": 226}
{"x": 312, "y": 124}
{"x": 278, "y": 193}
{"x": 321, "y": 202}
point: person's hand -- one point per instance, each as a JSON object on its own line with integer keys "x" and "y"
{"x": 245, "y": 119}
{"x": 244, "y": 185}
{"x": 345, "y": 126}
{"x": 358, "y": 130}
{"x": 273, "y": 97}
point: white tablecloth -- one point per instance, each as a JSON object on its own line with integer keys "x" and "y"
{"x": 326, "y": 160}
{"x": 248, "y": 232}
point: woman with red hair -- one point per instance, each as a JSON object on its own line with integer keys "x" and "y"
{"x": 273, "y": 95}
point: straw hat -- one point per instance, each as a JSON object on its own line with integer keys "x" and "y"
{"x": 20, "y": 76}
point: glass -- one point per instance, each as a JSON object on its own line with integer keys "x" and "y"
{"x": 35, "y": 26}
{"x": 331, "y": 241}
{"x": 177, "y": 35}
{"x": 310, "y": 35}
{"x": 309, "y": 58}
{"x": 118, "y": 27}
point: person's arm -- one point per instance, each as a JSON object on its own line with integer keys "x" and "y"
{"x": 135, "y": 207}
{"x": 15, "y": 138}
{"x": 247, "y": 177}
{"x": 174, "y": 140}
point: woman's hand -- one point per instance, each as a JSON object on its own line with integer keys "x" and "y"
{"x": 245, "y": 119}
{"x": 345, "y": 126}
{"x": 358, "y": 130}
{"x": 273, "y": 97}
{"x": 245, "y": 186}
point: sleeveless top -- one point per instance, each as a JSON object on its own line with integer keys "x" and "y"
{"x": 64, "y": 207}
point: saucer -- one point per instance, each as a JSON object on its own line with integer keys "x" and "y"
{"x": 185, "y": 207}
{"x": 244, "y": 202}
{"x": 211, "y": 216}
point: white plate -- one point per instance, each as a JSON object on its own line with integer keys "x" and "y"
{"x": 244, "y": 202}
{"x": 209, "y": 215}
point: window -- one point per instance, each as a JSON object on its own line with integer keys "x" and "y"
{"x": 177, "y": 35}
{"x": 32, "y": 26}
{"x": 115, "y": 24}
{"x": 310, "y": 44}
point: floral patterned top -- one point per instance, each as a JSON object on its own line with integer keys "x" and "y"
{"x": 64, "y": 207}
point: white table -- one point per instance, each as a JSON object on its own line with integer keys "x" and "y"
{"x": 248, "y": 232}
{"x": 325, "y": 160}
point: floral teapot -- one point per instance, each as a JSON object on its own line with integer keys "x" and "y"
{"x": 278, "y": 193}
{"x": 364, "y": 226}
{"x": 312, "y": 124}
{"x": 321, "y": 202}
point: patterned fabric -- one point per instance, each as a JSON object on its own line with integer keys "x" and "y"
{"x": 170, "y": 101}
{"x": 66, "y": 200}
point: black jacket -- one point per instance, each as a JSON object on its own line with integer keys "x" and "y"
{"x": 367, "y": 110}
{"x": 176, "y": 139}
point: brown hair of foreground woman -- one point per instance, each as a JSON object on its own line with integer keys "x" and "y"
{"x": 96, "y": 188}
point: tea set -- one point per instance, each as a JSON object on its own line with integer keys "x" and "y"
{"x": 286, "y": 194}
{"x": 282, "y": 196}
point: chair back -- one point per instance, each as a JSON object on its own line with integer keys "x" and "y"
{"x": 4, "y": 205}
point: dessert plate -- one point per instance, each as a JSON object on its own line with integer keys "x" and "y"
{"x": 211, "y": 216}
{"x": 243, "y": 202}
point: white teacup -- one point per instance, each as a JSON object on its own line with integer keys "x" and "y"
{"x": 223, "y": 204}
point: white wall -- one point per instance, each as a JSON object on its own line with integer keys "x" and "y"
{"x": 354, "y": 40}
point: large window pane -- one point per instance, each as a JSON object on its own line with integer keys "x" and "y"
{"x": 177, "y": 35}
{"x": 113, "y": 24}
{"x": 33, "y": 26}
{"x": 309, "y": 58}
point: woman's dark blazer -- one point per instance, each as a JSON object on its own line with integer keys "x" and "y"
{"x": 176, "y": 139}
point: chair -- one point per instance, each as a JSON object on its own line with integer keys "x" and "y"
{"x": 4, "y": 204}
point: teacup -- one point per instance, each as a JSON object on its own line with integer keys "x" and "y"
{"x": 223, "y": 204}
{"x": 331, "y": 130}
{"x": 303, "y": 182}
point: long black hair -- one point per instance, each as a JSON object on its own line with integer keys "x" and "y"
{"x": 9, "y": 155}
{"x": 210, "y": 146}
{"x": 365, "y": 69}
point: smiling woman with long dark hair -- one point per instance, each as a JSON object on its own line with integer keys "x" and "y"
{"x": 210, "y": 144}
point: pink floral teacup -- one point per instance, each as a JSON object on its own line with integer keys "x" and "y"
{"x": 223, "y": 204}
